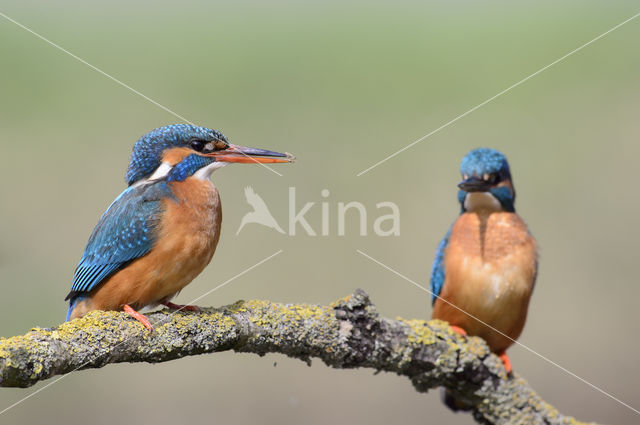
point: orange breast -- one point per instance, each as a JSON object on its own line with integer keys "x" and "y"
{"x": 187, "y": 238}
{"x": 490, "y": 271}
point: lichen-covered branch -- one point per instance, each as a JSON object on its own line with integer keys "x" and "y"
{"x": 346, "y": 334}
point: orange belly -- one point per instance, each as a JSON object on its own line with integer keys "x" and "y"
{"x": 187, "y": 238}
{"x": 490, "y": 270}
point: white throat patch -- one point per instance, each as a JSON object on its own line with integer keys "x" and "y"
{"x": 476, "y": 201}
{"x": 165, "y": 168}
{"x": 205, "y": 172}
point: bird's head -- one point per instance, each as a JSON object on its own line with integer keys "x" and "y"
{"x": 486, "y": 183}
{"x": 179, "y": 151}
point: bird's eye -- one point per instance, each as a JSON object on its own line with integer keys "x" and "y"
{"x": 197, "y": 145}
{"x": 491, "y": 178}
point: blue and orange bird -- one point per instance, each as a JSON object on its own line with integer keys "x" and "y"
{"x": 162, "y": 231}
{"x": 486, "y": 265}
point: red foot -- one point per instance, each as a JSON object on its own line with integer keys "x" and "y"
{"x": 173, "y": 306}
{"x": 139, "y": 317}
{"x": 458, "y": 329}
{"x": 507, "y": 363}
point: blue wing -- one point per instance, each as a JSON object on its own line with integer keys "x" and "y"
{"x": 126, "y": 231}
{"x": 437, "y": 271}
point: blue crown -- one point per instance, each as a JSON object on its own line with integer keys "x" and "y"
{"x": 484, "y": 161}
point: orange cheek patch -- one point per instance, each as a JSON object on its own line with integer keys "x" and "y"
{"x": 505, "y": 183}
{"x": 175, "y": 155}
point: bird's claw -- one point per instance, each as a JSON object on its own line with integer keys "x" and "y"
{"x": 458, "y": 330}
{"x": 506, "y": 362}
{"x": 138, "y": 316}
{"x": 173, "y": 306}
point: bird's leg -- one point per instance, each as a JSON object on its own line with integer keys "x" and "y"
{"x": 173, "y": 306}
{"x": 138, "y": 316}
{"x": 458, "y": 329}
{"x": 506, "y": 362}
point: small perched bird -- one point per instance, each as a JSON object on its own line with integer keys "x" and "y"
{"x": 486, "y": 265}
{"x": 162, "y": 231}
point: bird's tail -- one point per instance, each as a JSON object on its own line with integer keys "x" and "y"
{"x": 70, "y": 310}
{"x": 73, "y": 303}
{"x": 455, "y": 404}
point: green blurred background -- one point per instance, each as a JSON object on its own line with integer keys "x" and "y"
{"x": 341, "y": 85}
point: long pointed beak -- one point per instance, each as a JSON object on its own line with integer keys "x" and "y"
{"x": 246, "y": 155}
{"x": 474, "y": 184}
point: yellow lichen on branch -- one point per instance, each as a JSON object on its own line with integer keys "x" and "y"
{"x": 348, "y": 333}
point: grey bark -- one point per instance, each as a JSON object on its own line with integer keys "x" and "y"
{"x": 348, "y": 333}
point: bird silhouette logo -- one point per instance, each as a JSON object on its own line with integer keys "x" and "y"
{"x": 260, "y": 213}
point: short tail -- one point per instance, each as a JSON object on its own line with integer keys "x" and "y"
{"x": 70, "y": 310}
{"x": 453, "y": 403}
{"x": 73, "y": 301}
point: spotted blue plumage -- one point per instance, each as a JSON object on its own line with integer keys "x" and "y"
{"x": 484, "y": 160}
{"x": 126, "y": 231}
{"x": 490, "y": 161}
{"x": 188, "y": 166}
{"x": 475, "y": 163}
{"x": 147, "y": 152}
{"x": 437, "y": 271}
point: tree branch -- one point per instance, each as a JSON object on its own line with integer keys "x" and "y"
{"x": 348, "y": 333}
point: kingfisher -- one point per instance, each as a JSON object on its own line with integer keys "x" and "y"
{"x": 486, "y": 265}
{"x": 163, "y": 229}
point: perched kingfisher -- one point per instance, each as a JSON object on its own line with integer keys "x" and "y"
{"x": 487, "y": 263}
{"x": 162, "y": 231}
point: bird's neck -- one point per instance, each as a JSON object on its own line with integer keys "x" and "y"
{"x": 197, "y": 193}
{"x": 190, "y": 166}
{"x": 482, "y": 202}
{"x": 500, "y": 199}
{"x": 196, "y": 166}
{"x": 204, "y": 173}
